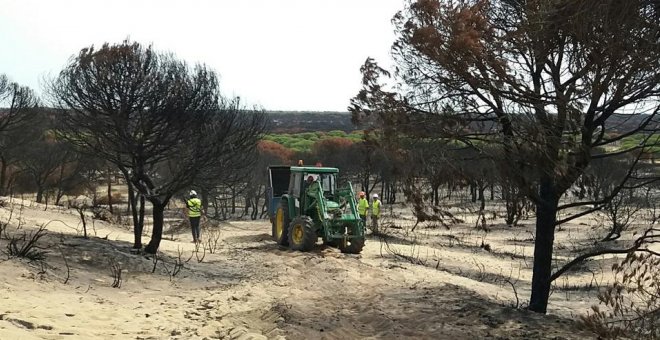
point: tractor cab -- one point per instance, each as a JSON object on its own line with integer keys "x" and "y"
{"x": 293, "y": 181}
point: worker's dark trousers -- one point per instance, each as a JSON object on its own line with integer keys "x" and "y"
{"x": 194, "y": 224}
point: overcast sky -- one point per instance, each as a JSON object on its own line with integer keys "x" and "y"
{"x": 280, "y": 54}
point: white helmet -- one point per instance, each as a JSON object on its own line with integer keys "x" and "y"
{"x": 193, "y": 193}
{"x": 375, "y": 196}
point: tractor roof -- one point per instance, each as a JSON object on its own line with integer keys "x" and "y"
{"x": 314, "y": 169}
{"x": 307, "y": 169}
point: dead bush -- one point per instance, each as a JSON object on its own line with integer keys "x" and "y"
{"x": 117, "y": 197}
{"x": 115, "y": 271}
{"x": 26, "y": 245}
{"x": 211, "y": 239}
{"x": 632, "y": 303}
{"x": 102, "y": 214}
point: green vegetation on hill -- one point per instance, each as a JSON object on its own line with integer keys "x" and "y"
{"x": 302, "y": 142}
{"x": 639, "y": 139}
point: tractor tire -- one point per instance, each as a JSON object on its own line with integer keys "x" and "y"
{"x": 302, "y": 235}
{"x": 353, "y": 246}
{"x": 280, "y": 224}
{"x": 332, "y": 243}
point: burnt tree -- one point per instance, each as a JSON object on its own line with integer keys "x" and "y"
{"x": 159, "y": 121}
{"x": 553, "y": 83}
{"x": 17, "y": 109}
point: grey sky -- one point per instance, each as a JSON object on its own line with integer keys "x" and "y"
{"x": 280, "y": 54}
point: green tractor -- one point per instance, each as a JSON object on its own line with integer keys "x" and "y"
{"x": 305, "y": 204}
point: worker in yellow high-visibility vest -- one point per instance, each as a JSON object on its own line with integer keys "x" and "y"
{"x": 375, "y": 213}
{"x": 363, "y": 206}
{"x": 194, "y": 206}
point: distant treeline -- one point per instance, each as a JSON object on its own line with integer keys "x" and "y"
{"x": 308, "y": 121}
{"x": 312, "y": 121}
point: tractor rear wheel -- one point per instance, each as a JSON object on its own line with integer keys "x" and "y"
{"x": 352, "y": 246}
{"x": 281, "y": 223}
{"x": 302, "y": 235}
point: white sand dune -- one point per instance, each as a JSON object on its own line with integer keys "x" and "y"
{"x": 251, "y": 289}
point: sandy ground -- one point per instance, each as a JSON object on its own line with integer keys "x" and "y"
{"x": 432, "y": 284}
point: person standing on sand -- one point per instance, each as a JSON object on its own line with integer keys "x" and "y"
{"x": 194, "y": 206}
{"x": 375, "y": 213}
{"x": 363, "y": 207}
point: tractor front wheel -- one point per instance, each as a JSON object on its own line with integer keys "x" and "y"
{"x": 280, "y": 223}
{"x": 302, "y": 235}
{"x": 351, "y": 246}
{"x": 331, "y": 243}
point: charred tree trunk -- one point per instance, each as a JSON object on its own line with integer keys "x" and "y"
{"x": 60, "y": 184}
{"x": 157, "y": 231}
{"x": 59, "y": 196}
{"x": 137, "y": 227}
{"x": 482, "y": 198}
{"x": 473, "y": 192}
{"x": 390, "y": 192}
{"x": 492, "y": 192}
{"x": 216, "y": 208}
{"x": 205, "y": 200}
{"x": 450, "y": 190}
{"x": 3, "y": 176}
{"x": 233, "y": 202}
{"x": 246, "y": 206}
{"x": 613, "y": 234}
{"x": 546, "y": 217}
{"x": 40, "y": 193}
{"x": 255, "y": 208}
{"x": 81, "y": 212}
{"x": 264, "y": 209}
{"x": 110, "y": 191}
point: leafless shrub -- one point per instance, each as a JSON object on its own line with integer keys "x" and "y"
{"x": 66, "y": 264}
{"x": 104, "y": 200}
{"x": 517, "y": 205}
{"x": 3, "y": 229}
{"x": 81, "y": 205}
{"x": 385, "y": 225}
{"x": 81, "y": 212}
{"x": 212, "y": 236}
{"x": 26, "y": 246}
{"x": 425, "y": 211}
{"x": 632, "y": 304}
{"x": 484, "y": 245}
{"x": 200, "y": 258}
{"x": 4, "y": 225}
{"x": 481, "y": 223}
{"x": 181, "y": 224}
{"x": 414, "y": 253}
{"x": 154, "y": 260}
{"x": 515, "y": 293}
{"x": 103, "y": 214}
{"x": 115, "y": 271}
{"x": 42, "y": 270}
{"x": 620, "y": 212}
{"x": 481, "y": 271}
{"x": 179, "y": 263}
